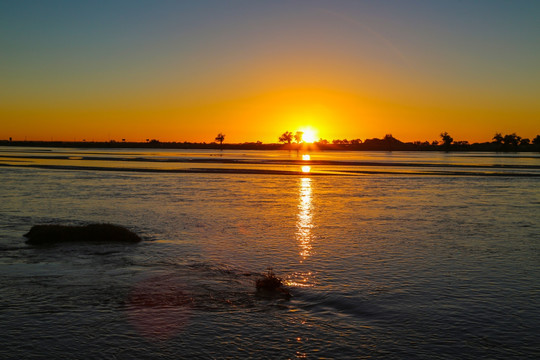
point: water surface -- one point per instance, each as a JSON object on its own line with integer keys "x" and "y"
{"x": 387, "y": 255}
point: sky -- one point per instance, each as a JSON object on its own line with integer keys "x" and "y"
{"x": 187, "y": 70}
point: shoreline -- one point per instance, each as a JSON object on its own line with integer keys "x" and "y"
{"x": 371, "y": 146}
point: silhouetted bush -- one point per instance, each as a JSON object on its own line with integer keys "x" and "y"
{"x": 271, "y": 286}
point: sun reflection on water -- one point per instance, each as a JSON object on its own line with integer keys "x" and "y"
{"x": 304, "y": 223}
{"x": 300, "y": 279}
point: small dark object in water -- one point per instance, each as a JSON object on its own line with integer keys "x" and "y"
{"x": 270, "y": 286}
{"x": 96, "y": 233}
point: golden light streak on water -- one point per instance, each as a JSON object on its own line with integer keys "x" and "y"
{"x": 304, "y": 222}
{"x": 300, "y": 279}
{"x": 306, "y": 169}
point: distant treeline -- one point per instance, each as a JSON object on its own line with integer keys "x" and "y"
{"x": 511, "y": 142}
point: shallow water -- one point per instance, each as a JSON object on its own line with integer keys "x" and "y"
{"x": 388, "y": 264}
{"x": 275, "y": 162}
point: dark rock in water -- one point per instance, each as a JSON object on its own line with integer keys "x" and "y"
{"x": 271, "y": 286}
{"x": 94, "y": 233}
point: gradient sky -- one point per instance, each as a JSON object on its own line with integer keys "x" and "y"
{"x": 186, "y": 70}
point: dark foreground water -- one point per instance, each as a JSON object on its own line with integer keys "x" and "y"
{"x": 387, "y": 255}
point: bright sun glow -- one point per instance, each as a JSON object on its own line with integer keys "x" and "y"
{"x": 309, "y": 135}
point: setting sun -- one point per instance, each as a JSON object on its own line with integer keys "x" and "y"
{"x": 308, "y": 135}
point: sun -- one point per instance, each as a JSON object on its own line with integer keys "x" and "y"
{"x": 309, "y": 135}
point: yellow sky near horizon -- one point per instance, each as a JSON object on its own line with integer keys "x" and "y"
{"x": 333, "y": 114}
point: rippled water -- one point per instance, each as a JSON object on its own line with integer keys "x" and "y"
{"x": 387, "y": 255}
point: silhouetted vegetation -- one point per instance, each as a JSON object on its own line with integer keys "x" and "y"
{"x": 511, "y": 141}
{"x": 498, "y": 138}
{"x": 271, "y": 286}
{"x": 219, "y": 138}
{"x": 92, "y": 233}
{"x": 286, "y": 137}
{"x": 447, "y": 140}
{"x": 298, "y": 137}
{"x": 288, "y": 140}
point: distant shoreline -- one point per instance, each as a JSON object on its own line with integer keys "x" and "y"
{"x": 375, "y": 145}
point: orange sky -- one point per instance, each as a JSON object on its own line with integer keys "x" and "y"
{"x": 179, "y": 72}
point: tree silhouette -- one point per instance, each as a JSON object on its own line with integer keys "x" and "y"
{"x": 447, "y": 139}
{"x": 511, "y": 140}
{"x": 220, "y": 137}
{"x": 286, "y": 137}
{"x": 388, "y": 139}
{"x": 536, "y": 140}
{"x": 498, "y": 138}
{"x": 298, "y": 136}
